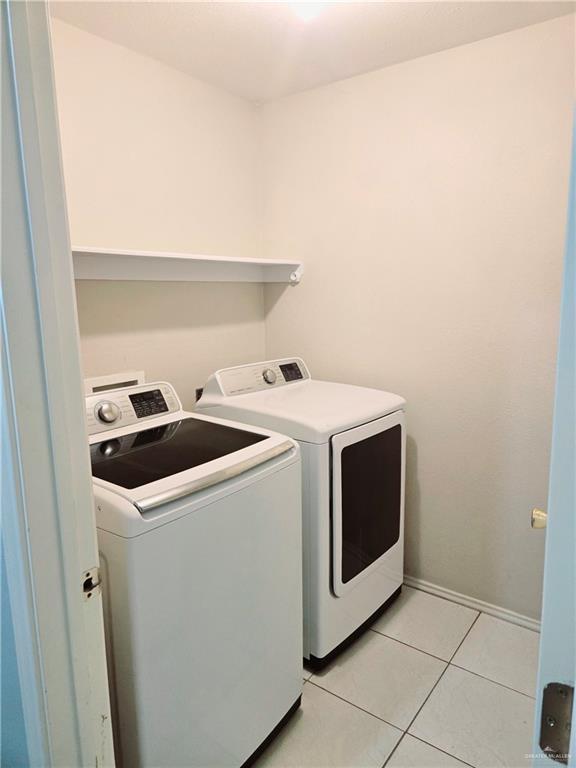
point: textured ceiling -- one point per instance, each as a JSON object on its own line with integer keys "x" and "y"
{"x": 262, "y": 51}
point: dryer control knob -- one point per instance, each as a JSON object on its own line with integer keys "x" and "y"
{"x": 107, "y": 412}
{"x": 269, "y": 376}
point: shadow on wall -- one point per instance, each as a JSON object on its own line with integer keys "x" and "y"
{"x": 111, "y": 307}
{"x": 413, "y": 511}
{"x": 272, "y": 294}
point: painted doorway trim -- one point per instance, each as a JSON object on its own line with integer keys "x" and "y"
{"x": 49, "y": 538}
{"x": 558, "y": 638}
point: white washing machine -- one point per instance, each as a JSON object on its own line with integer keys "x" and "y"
{"x": 353, "y": 445}
{"x": 199, "y": 531}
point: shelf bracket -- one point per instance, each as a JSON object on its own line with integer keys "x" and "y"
{"x": 296, "y": 276}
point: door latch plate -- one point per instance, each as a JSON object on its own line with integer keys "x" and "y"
{"x": 91, "y": 582}
{"x": 555, "y": 725}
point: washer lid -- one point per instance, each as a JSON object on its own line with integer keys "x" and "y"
{"x": 310, "y": 410}
{"x": 179, "y": 456}
{"x": 142, "y": 457}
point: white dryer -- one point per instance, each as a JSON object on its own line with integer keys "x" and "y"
{"x": 199, "y": 531}
{"x": 352, "y": 440}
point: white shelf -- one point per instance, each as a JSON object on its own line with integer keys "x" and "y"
{"x": 110, "y": 264}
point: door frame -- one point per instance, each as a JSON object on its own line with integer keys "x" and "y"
{"x": 48, "y": 526}
{"x": 557, "y": 661}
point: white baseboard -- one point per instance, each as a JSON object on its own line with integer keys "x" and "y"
{"x": 471, "y": 602}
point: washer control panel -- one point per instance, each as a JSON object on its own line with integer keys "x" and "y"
{"x": 122, "y": 407}
{"x": 256, "y": 377}
{"x": 149, "y": 403}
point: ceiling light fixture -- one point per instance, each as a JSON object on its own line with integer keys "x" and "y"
{"x": 307, "y": 11}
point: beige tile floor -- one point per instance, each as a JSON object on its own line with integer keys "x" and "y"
{"x": 433, "y": 684}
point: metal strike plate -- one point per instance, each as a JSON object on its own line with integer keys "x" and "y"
{"x": 91, "y": 582}
{"x": 556, "y": 720}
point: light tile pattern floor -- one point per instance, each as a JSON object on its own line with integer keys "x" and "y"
{"x": 432, "y": 685}
{"x": 502, "y": 652}
{"x": 382, "y": 676}
{"x": 477, "y": 720}
{"x": 413, "y": 753}
{"x": 329, "y": 732}
{"x": 426, "y": 622}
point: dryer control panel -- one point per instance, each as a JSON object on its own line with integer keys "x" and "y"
{"x": 130, "y": 405}
{"x": 256, "y": 377}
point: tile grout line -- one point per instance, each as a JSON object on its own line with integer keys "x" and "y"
{"x": 439, "y": 749}
{"x": 421, "y": 707}
{"x": 461, "y": 643}
{"x": 450, "y": 661}
{"x": 464, "y": 669}
{"x": 405, "y": 731}
{"x": 447, "y": 600}
{"x": 414, "y": 648}
{"x": 448, "y": 664}
{"x": 441, "y": 676}
{"x": 495, "y": 682}
{"x": 361, "y": 709}
{"x": 433, "y": 746}
{"x": 400, "y": 740}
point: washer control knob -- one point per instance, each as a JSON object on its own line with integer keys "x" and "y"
{"x": 107, "y": 412}
{"x": 269, "y": 376}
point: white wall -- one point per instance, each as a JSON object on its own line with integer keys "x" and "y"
{"x": 156, "y": 160}
{"x": 428, "y": 202}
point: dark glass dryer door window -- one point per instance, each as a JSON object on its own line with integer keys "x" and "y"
{"x": 152, "y": 454}
{"x": 367, "y": 497}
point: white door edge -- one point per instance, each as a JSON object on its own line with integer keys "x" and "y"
{"x": 49, "y": 533}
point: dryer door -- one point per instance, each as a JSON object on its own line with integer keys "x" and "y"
{"x": 367, "y": 497}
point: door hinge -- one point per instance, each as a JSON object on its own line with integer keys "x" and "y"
{"x": 90, "y": 582}
{"x": 556, "y": 721}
